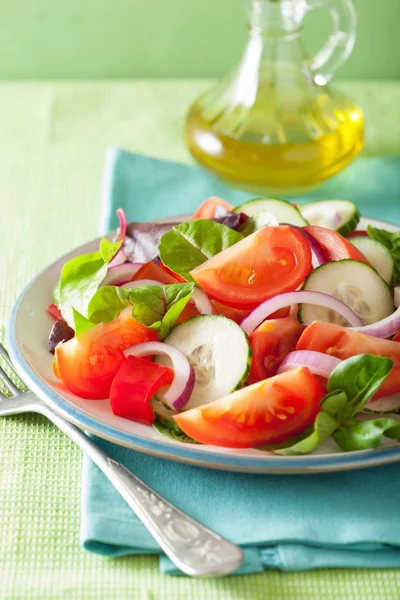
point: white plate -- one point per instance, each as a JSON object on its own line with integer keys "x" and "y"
{"x": 27, "y": 340}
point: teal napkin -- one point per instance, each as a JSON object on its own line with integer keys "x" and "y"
{"x": 294, "y": 522}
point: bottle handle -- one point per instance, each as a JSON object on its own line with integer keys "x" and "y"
{"x": 341, "y": 41}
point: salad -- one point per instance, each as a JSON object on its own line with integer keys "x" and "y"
{"x": 267, "y": 325}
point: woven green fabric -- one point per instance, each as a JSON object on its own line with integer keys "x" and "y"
{"x": 52, "y": 141}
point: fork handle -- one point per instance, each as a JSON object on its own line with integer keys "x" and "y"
{"x": 195, "y": 549}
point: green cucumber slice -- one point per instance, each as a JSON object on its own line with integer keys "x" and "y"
{"x": 219, "y": 352}
{"x": 283, "y": 211}
{"x": 256, "y": 222}
{"x": 355, "y": 283}
{"x": 340, "y": 215}
{"x": 377, "y": 255}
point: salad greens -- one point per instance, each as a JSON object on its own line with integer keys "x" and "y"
{"x": 107, "y": 304}
{"x": 172, "y": 430}
{"x": 160, "y": 307}
{"x": 392, "y": 241}
{"x": 350, "y": 386}
{"x": 190, "y": 244}
{"x": 80, "y": 278}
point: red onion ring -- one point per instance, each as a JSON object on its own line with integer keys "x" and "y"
{"x": 384, "y": 328}
{"x": 119, "y": 259}
{"x": 122, "y": 224}
{"x": 140, "y": 283}
{"x": 317, "y": 252}
{"x": 121, "y": 273}
{"x": 262, "y": 312}
{"x": 318, "y": 363}
{"x": 180, "y": 390}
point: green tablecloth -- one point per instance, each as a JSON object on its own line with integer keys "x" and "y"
{"x": 52, "y": 142}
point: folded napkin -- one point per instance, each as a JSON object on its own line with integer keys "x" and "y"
{"x": 289, "y": 522}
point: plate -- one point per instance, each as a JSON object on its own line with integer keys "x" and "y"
{"x": 27, "y": 339}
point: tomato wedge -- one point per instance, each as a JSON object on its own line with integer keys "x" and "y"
{"x": 135, "y": 383}
{"x": 207, "y": 210}
{"x": 87, "y": 364}
{"x": 334, "y": 245}
{"x": 271, "y": 342}
{"x": 263, "y": 413}
{"x": 342, "y": 342}
{"x": 271, "y": 261}
{"x": 396, "y": 337}
{"x": 54, "y": 311}
{"x": 152, "y": 271}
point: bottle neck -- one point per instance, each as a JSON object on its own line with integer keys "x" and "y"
{"x": 275, "y": 18}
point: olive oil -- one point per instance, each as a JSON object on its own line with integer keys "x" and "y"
{"x": 276, "y": 148}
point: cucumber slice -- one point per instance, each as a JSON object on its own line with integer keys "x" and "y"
{"x": 355, "y": 283}
{"x": 256, "y": 222}
{"x": 219, "y": 353}
{"x": 383, "y": 406}
{"x": 340, "y": 215}
{"x": 377, "y": 255}
{"x": 283, "y": 211}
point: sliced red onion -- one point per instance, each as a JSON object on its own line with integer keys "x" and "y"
{"x": 122, "y": 224}
{"x": 317, "y": 252}
{"x": 384, "y": 404}
{"x": 262, "y": 312}
{"x": 140, "y": 283}
{"x": 397, "y": 296}
{"x": 119, "y": 259}
{"x": 181, "y": 388}
{"x": 202, "y": 302}
{"x": 384, "y": 328}
{"x": 318, "y": 363}
{"x": 121, "y": 273}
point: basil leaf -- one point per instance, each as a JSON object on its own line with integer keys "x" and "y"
{"x": 363, "y": 435}
{"x": 324, "y": 426}
{"x": 172, "y": 430}
{"x": 107, "y": 304}
{"x": 190, "y": 244}
{"x": 392, "y": 241}
{"x": 81, "y": 323}
{"x": 81, "y": 276}
{"x": 160, "y": 307}
{"x": 360, "y": 377}
{"x": 334, "y": 403}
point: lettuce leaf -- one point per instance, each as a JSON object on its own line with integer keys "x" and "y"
{"x": 190, "y": 244}
{"x": 391, "y": 240}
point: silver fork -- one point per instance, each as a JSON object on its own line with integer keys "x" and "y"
{"x": 195, "y": 549}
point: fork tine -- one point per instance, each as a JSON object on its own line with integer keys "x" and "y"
{"x": 10, "y": 385}
{"x": 5, "y": 355}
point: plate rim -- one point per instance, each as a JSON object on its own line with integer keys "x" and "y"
{"x": 180, "y": 452}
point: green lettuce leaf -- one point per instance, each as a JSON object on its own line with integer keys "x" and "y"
{"x": 190, "y": 244}
{"x": 81, "y": 323}
{"x": 360, "y": 377}
{"x": 107, "y": 304}
{"x": 324, "y": 427}
{"x": 392, "y": 241}
{"x": 363, "y": 435}
{"x": 172, "y": 430}
{"x": 160, "y": 307}
{"x": 81, "y": 277}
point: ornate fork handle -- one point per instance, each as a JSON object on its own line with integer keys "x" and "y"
{"x": 195, "y": 549}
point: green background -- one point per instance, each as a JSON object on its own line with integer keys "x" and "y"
{"x": 94, "y": 39}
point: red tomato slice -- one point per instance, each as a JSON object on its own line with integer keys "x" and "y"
{"x": 335, "y": 246}
{"x": 87, "y": 364}
{"x": 263, "y": 413}
{"x": 152, "y": 271}
{"x": 235, "y": 314}
{"x": 54, "y": 312}
{"x": 179, "y": 278}
{"x": 271, "y": 342}
{"x": 208, "y": 208}
{"x": 342, "y": 342}
{"x": 135, "y": 383}
{"x": 271, "y": 261}
{"x": 188, "y": 312}
{"x": 396, "y": 337}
